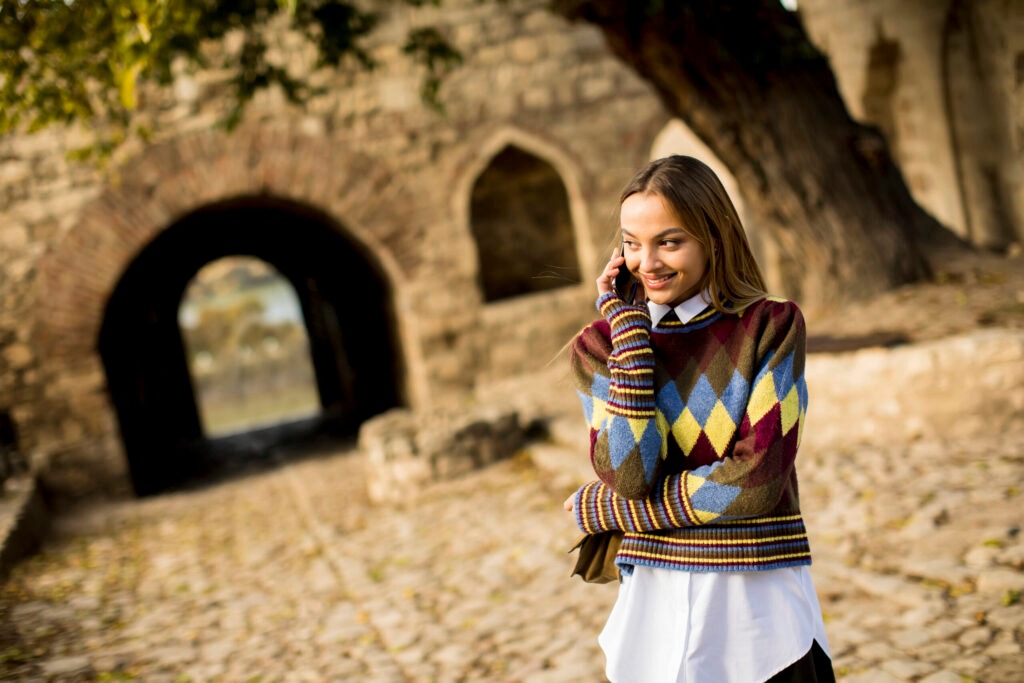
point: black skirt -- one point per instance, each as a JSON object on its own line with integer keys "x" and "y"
{"x": 813, "y": 667}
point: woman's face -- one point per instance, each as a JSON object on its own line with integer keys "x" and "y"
{"x": 665, "y": 258}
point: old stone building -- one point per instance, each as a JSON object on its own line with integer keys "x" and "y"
{"x": 432, "y": 254}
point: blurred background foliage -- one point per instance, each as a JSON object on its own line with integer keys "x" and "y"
{"x": 67, "y": 61}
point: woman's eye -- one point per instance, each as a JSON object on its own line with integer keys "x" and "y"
{"x": 672, "y": 243}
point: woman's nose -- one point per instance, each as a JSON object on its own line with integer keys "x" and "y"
{"x": 648, "y": 260}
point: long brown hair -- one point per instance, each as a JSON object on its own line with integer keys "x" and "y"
{"x": 699, "y": 200}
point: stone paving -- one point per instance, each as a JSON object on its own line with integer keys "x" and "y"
{"x": 291, "y": 575}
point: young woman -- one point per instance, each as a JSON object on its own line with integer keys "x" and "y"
{"x": 695, "y": 400}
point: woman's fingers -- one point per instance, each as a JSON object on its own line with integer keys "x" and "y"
{"x": 606, "y": 282}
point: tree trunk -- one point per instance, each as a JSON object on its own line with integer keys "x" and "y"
{"x": 743, "y": 76}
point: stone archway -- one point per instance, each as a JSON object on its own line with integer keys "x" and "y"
{"x": 344, "y": 303}
{"x": 196, "y": 181}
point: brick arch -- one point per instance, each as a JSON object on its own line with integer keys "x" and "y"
{"x": 170, "y": 180}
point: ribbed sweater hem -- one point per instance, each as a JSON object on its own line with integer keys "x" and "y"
{"x": 732, "y": 547}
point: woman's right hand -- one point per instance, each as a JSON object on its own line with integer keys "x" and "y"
{"x": 606, "y": 282}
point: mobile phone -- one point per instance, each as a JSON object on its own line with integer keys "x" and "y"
{"x": 625, "y": 284}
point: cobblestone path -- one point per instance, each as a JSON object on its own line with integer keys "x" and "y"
{"x": 290, "y": 575}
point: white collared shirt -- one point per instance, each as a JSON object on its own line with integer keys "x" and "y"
{"x": 685, "y": 311}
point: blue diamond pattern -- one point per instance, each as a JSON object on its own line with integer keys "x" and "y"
{"x": 734, "y": 398}
{"x": 670, "y": 403}
{"x": 588, "y": 406}
{"x": 702, "y": 400}
{"x": 650, "y": 449}
{"x": 600, "y": 386}
{"x": 713, "y": 497}
{"x": 620, "y": 440}
{"x": 783, "y": 376}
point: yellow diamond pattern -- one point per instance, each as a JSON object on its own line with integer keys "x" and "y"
{"x": 706, "y": 517}
{"x": 790, "y": 410}
{"x": 762, "y": 399}
{"x": 686, "y": 429}
{"x": 719, "y": 428}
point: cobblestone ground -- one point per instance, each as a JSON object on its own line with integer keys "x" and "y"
{"x": 290, "y": 575}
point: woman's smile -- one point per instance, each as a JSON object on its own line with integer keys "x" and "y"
{"x": 656, "y": 281}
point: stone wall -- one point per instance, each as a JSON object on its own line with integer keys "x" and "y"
{"x": 970, "y": 385}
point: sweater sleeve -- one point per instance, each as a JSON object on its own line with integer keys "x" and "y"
{"x": 613, "y": 371}
{"x": 753, "y": 477}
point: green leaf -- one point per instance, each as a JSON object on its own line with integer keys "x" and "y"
{"x": 127, "y": 87}
{"x": 432, "y": 50}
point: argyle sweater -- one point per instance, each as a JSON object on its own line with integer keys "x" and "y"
{"x": 694, "y": 431}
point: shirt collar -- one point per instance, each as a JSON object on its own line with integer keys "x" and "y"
{"x": 685, "y": 311}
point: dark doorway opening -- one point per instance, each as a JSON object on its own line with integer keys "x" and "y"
{"x": 346, "y": 304}
{"x": 522, "y": 226}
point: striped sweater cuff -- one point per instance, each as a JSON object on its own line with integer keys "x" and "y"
{"x": 625, "y": 320}
{"x": 589, "y": 515}
{"x": 605, "y": 298}
{"x": 577, "y": 508}
{"x": 598, "y": 508}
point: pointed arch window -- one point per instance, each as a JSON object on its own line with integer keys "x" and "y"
{"x": 522, "y": 227}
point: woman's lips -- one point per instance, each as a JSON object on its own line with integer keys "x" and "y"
{"x": 658, "y": 282}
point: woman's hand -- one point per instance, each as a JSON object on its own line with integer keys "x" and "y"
{"x": 570, "y": 503}
{"x": 606, "y": 282}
